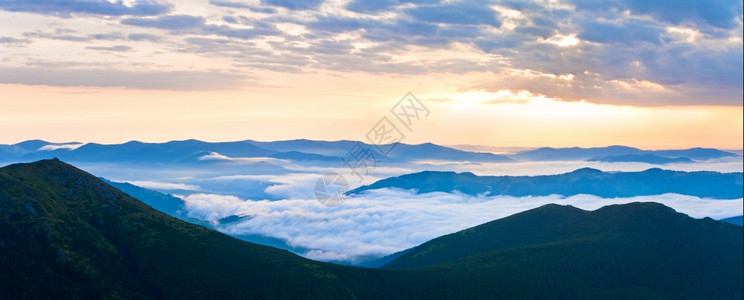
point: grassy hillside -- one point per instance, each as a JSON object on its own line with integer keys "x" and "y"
{"x": 67, "y": 234}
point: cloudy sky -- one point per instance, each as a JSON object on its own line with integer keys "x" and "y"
{"x": 650, "y": 74}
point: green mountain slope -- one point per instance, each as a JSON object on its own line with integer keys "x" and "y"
{"x": 616, "y": 251}
{"x": 66, "y": 234}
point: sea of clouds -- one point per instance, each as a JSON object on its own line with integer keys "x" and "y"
{"x": 384, "y": 221}
{"x": 281, "y": 204}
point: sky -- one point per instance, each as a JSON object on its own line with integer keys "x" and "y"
{"x": 649, "y": 74}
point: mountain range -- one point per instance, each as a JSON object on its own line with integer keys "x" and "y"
{"x": 194, "y": 151}
{"x": 645, "y": 158}
{"x": 582, "y": 181}
{"x": 577, "y": 153}
{"x": 67, "y": 234}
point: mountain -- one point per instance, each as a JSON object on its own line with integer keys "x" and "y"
{"x": 739, "y": 220}
{"x": 644, "y": 158}
{"x": 429, "y": 151}
{"x": 696, "y": 153}
{"x": 65, "y": 234}
{"x": 165, "y": 203}
{"x": 633, "y": 248}
{"x": 328, "y": 148}
{"x": 189, "y": 151}
{"x": 169, "y": 152}
{"x": 400, "y": 152}
{"x": 577, "y": 153}
{"x": 302, "y": 156}
{"x": 16, "y": 151}
{"x": 582, "y": 181}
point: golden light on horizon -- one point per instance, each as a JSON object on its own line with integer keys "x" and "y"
{"x": 503, "y": 118}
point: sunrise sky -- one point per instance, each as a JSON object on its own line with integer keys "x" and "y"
{"x": 649, "y": 74}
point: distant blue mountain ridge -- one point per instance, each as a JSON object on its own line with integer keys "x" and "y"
{"x": 577, "y": 153}
{"x": 738, "y": 220}
{"x": 645, "y": 158}
{"x": 190, "y": 151}
{"x": 582, "y": 181}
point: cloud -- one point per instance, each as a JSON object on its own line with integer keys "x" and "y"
{"x": 211, "y": 207}
{"x": 170, "y": 22}
{"x": 64, "y": 8}
{"x": 219, "y": 157}
{"x": 615, "y": 50}
{"x": 64, "y": 75}
{"x": 267, "y": 10}
{"x": 385, "y": 221}
{"x": 197, "y": 25}
{"x": 10, "y": 41}
{"x": 341, "y": 24}
{"x": 72, "y": 146}
{"x": 715, "y": 13}
{"x": 283, "y": 186}
{"x": 629, "y": 32}
{"x": 143, "y": 37}
{"x": 107, "y": 36}
{"x": 294, "y": 4}
{"x": 162, "y": 185}
{"x": 377, "y": 6}
{"x": 462, "y": 12}
{"x": 373, "y": 6}
{"x": 117, "y": 48}
{"x": 60, "y": 34}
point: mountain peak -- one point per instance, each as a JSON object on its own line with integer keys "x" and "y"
{"x": 587, "y": 170}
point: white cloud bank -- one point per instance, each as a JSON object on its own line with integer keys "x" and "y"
{"x": 162, "y": 185}
{"x": 53, "y": 147}
{"x": 385, "y": 221}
